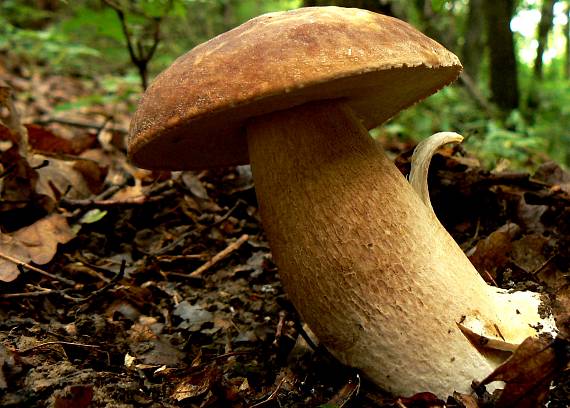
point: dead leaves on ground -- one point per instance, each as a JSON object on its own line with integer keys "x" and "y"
{"x": 35, "y": 243}
{"x": 529, "y": 372}
{"x": 229, "y": 336}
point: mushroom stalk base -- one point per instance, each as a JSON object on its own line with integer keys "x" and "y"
{"x": 375, "y": 276}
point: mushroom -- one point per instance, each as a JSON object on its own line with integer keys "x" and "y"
{"x": 361, "y": 256}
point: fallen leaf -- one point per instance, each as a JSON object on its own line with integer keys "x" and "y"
{"x": 466, "y": 400}
{"x": 561, "y": 311}
{"x": 74, "y": 396}
{"x": 42, "y": 237}
{"x": 551, "y": 173}
{"x": 59, "y": 177}
{"x": 422, "y": 400}
{"x": 529, "y": 252}
{"x": 492, "y": 253}
{"x": 193, "y": 316}
{"x": 196, "y": 384}
{"x": 529, "y": 372}
{"x": 153, "y": 349}
{"x": 35, "y": 243}
{"x": 347, "y": 393}
{"x": 44, "y": 140}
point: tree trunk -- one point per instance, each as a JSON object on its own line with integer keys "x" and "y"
{"x": 567, "y": 35}
{"x": 502, "y": 61}
{"x": 544, "y": 27}
{"x": 474, "y": 40}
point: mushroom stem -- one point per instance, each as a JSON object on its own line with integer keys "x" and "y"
{"x": 379, "y": 281}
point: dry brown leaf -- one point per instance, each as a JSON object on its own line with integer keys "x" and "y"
{"x": 551, "y": 173}
{"x": 41, "y": 238}
{"x": 467, "y": 401}
{"x": 529, "y": 252}
{"x": 561, "y": 311}
{"x": 44, "y": 140}
{"x": 422, "y": 400}
{"x": 492, "y": 253}
{"x": 59, "y": 177}
{"x": 529, "y": 372}
{"x": 74, "y": 396}
{"x": 195, "y": 384}
{"x": 347, "y": 393}
{"x": 35, "y": 243}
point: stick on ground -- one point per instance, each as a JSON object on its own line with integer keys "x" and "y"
{"x": 220, "y": 255}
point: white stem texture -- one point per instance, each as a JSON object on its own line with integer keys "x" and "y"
{"x": 376, "y": 277}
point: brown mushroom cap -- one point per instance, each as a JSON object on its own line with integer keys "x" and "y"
{"x": 194, "y": 113}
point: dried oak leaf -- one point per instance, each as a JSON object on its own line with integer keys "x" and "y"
{"x": 35, "y": 243}
{"x": 492, "y": 253}
{"x": 529, "y": 372}
{"x": 74, "y": 396}
{"x": 44, "y": 140}
{"x": 59, "y": 177}
{"x": 196, "y": 384}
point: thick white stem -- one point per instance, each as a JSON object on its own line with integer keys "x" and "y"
{"x": 379, "y": 281}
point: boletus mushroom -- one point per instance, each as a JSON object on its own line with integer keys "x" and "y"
{"x": 361, "y": 255}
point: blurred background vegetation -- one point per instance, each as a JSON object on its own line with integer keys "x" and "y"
{"x": 512, "y": 101}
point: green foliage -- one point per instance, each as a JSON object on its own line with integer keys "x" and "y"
{"x": 48, "y": 46}
{"x": 490, "y": 139}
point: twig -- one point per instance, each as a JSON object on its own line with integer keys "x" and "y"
{"x": 490, "y": 277}
{"x": 38, "y": 293}
{"x": 227, "y": 214}
{"x": 224, "y": 253}
{"x": 541, "y": 267}
{"x": 33, "y": 268}
{"x": 108, "y": 285}
{"x": 59, "y": 343}
{"x": 130, "y": 201}
{"x": 220, "y": 255}
{"x": 102, "y": 201}
{"x": 81, "y": 124}
{"x": 279, "y": 329}
{"x": 272, "y": 396}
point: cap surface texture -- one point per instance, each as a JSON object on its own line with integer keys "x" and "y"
{"x": 194, "y": 113}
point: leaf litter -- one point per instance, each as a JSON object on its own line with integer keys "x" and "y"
{"x": 118, "y": 318}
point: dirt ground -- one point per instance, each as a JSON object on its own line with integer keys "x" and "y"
{"x": 126, "y": 288}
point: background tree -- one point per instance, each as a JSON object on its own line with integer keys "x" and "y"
{"x": 474, "y": 39}
{"x": 544, "y": 27}
{"x": 567, "y": 37}
{"x": 502, "y": 57}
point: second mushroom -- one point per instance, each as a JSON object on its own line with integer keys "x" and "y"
{"x": 361, "y": 255}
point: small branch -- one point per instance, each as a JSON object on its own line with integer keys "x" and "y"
{"x": 33, "y": 268}
{"x": 80, "y": 124}
{"x": 130, "y": 201}
{"x": 272, "y": 396}
{"x": 108, "y": 285}
{"x": 58, "y": 343}
{"x": 38, "y": 293}
{"x": 221, "y": 255}
{"x": 215, "y": 259}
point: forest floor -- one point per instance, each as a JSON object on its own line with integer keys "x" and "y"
{"x": 142, "y": 289}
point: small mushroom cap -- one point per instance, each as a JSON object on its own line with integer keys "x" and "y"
{"x": 195, "y": 112}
